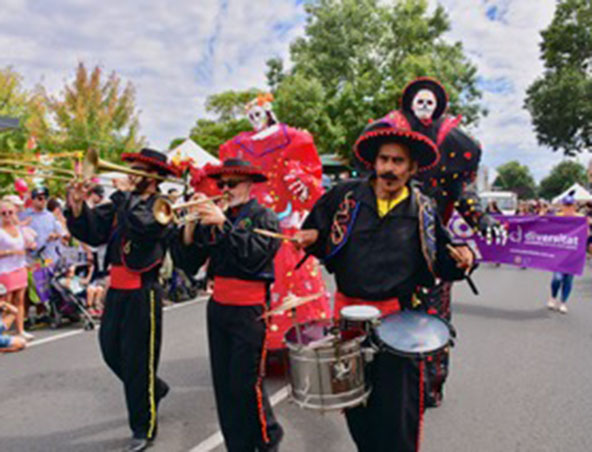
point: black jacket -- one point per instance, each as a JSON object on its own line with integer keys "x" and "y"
{"x": 127, "y": 225}
{"x": 235, "y": 251}
{"x": 378, "y": 258}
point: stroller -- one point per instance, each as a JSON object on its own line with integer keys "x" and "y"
{"x": 62, "y": 303}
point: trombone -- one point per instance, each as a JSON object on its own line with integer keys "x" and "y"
{"x": 93, "y": 164}
{"x": 41, "y": 176}
{"x": 165, "y": 212}
{"x": 40, "y": 166}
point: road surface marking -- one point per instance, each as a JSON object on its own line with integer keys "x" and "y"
{"x": 216, "y": 439}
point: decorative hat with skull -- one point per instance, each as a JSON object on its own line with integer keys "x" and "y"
{"x": 259, "y": 112}
{"x": 426, "y": 98}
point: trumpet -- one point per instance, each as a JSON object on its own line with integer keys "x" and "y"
{"x": 41, "y": 166}
{"x": 42, "y": 176}
{"x": 92, "y": 165}
{"x": 165, "y": 212}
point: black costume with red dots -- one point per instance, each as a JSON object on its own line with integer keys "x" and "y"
{"x": 451, "y": 184}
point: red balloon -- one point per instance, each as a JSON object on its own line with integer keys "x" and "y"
{"x": 21, "y": 186}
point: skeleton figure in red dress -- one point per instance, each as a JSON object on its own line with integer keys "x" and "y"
{"x": 290, "y": 160}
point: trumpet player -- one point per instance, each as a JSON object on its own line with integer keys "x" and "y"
{"x": 130, "y": 333}
{"x": 241, "y": 263}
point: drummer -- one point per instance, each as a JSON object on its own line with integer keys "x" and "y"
{"x": 241, "y": 263}
{"x": 382, "y": 238}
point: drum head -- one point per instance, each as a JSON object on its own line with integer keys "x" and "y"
{"x": 412, "y": 333}
{"x": 359, "y": 313}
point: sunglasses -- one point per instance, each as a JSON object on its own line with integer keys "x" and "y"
{"x": 39, "y": 197}
{"x": 7, "y": 212}
{"x": 231, "y": 183}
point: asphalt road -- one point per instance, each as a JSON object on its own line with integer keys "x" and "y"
{"x": 520, "y": 382}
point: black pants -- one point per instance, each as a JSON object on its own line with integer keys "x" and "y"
{"x": 130, "y": 337}
{"x": 437, "y": 301}
{"x": 391, "y": 419}
{"x": 236, "y": 339}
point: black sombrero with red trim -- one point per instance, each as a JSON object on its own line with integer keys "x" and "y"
{"x": 239, "y": 167}
{"x": 428, "y": 83}
{"x": 156, "y": 159}
{"x": 423, "y": 150}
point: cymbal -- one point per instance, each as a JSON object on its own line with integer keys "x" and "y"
{"x": 291, "y": 302}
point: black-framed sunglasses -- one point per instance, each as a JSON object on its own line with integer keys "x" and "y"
{"x": 230, "y": 183}
{"x": 39, "y": 197}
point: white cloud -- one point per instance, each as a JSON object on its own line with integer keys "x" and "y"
{"x": 505, "y": 49}
{"x": 175, "y": 53}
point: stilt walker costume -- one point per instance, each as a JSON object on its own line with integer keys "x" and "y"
{"x": 290, "y": 160}
{"x": 379, "y": 256}
{"x": 241, "y": 264}
{"x": 451, "y": 184}
{"x": 131, "y": 325}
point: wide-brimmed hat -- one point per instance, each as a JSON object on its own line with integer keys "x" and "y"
{"x": 422, "y": 149}
{"x": 13, "y": 199}
{"x": 431, "y": 84}
{"x": 237, "y": 166}
{"x": 154, "y": 158}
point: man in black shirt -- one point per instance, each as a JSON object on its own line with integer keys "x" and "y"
{"x": 382, "y": 238}
{"x": 131, "y": 324}
{"x": 241, "y": 264}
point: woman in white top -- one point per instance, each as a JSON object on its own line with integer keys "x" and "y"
{"x": 13, "y": 269}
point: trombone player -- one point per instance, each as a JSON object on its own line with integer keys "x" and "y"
{"x": 131, "y": 327}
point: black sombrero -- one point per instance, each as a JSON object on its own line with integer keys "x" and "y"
{"x": 431, "y": 84}
{"x": 423, "y": 150}
{"x": 156, "y": 159}
{"x": 239, "y": 167}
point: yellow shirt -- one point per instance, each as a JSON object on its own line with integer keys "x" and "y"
{"x": 386, "y": 205}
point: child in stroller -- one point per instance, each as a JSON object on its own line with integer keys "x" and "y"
{"x": 71, "y": 285}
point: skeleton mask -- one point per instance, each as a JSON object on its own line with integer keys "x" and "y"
{"x": 424, "y": 104}
{"x": 258, "y": 117}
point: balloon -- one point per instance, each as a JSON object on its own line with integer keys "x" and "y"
{"x": 20, "y": 186}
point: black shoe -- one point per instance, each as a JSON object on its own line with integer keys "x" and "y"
{"x": 162, "y": 391}
{"x": 138, "y": 445}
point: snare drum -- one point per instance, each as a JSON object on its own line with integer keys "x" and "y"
{"x": 326, "y": 372}
{"x": 359, "y": 317}
{"x": 413, "y": 334}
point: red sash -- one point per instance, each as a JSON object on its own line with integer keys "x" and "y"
{"x": 238, "y": 292}
{"x": 124, "y": 279}
{"x": 387, "y": 306}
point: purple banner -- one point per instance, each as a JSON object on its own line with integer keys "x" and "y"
{"x": 544, "y": 242}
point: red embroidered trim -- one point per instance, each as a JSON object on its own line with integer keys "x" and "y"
{"x": 449, "y": 124}
{"x": 421, "y": 404}
{"x": 400, "y": 133}
{"x": 258, "y": 391}
{"x": 130, "y": 157}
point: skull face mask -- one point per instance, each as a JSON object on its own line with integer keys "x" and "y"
{"x": 424, "y": 104}
{"x": 257, "y": 117}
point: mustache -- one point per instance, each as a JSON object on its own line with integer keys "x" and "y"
{"x": 388, "y": 176}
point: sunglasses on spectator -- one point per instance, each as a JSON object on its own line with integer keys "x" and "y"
{"x": 39, "y": 197}
{"x": 7, "y": 212}
{"x": 230, "y": 183}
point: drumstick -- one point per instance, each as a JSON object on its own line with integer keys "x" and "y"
{"x": 274, "y": 235}
{"x": 467, "y": 272}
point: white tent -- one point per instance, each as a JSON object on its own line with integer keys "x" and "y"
{"x": 190, "y": 149}
{"x": 581, "y": 194}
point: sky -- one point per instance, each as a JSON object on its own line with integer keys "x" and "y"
{"x": 178, "y": 53}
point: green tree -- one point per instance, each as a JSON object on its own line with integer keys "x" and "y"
{"x": 96, "y": 112}
{"x": 228, "y": 108}
{"x": 561, "y": 177}
{"x": 29, "y": 108}
{"x": 513, "y": 176}
{"x": 560, "y": 102}
{"x": 356, "y": 57}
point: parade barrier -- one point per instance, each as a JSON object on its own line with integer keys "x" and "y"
{"x": 551, "y": 243}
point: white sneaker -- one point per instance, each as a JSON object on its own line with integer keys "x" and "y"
{"x": 27, "y": 336}
{"x": 563, "y": 308}
{"x": 552, "y": 304}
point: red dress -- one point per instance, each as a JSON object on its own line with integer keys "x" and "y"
{"x": 289, "y": 158}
